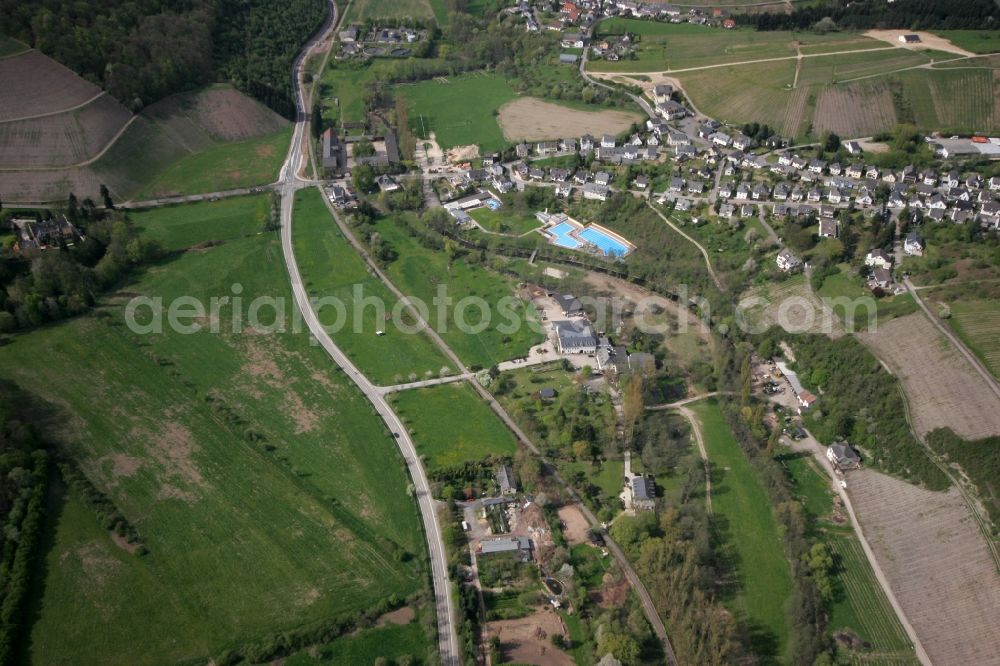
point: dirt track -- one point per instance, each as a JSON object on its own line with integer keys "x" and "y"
{"x": 937, "y": 563}
{"x": 531, "y": 119}
{"x": 927, "y": 41}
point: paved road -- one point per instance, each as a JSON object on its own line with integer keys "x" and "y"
{"x": 290, "y": 182}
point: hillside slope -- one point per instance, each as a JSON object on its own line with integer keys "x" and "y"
{"x": 52, "y": 144}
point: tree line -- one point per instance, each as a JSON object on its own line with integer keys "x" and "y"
{"x": 866, "y": 14}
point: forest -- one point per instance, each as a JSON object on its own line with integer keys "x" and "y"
{"x": 142, "y": 51}
{"x": 910, "y": 15}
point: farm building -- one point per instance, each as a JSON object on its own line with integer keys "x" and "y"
{"x": 643, "y": 493}
{"x": 506, "y": 481}
{"x": 520, "y": 545}
{"x": 39, "y": 234}
{"x": 575, "y": 337}
{"x": 843, "y": 456}
{"x": 570, "y": 304}
{"x": 909, "y": 39}
{"x": 333, "y": 154}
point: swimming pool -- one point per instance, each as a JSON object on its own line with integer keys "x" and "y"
{"x": 561, "y": 235}
{"x": 608, "y": 245}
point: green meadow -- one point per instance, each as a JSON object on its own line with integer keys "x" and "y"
{"x": 331, "y": 268}
{"x": 223, "y": 167}
{"x": 420, "y": 272}
{"x": 451, "y": 425}
{"x": 461, "y": 111}
{"x": 268, "y": 493}
{"x": 183, "y": 226}
{"x": 746, "y": 524}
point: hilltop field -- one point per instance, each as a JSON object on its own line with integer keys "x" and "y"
{"x": 61, "y": 133}
{"x": 222, "y": 452}
{"x": 803, "y": 84}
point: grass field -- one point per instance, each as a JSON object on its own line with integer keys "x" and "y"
{"x": 461, "y": 111}
{"x": 952, "y": 99}
{"x": 390, "y": 642}
{"x": 331, "y": 268}
{"x": 235, "y": 455}
{"x": 609, "y": 476}
{"x": 977, "y": 41}
{"x": 223, "y": 167}
{"x": 184, "y": 226}
{"x": 977, "y": 323}
{"x": 842, "y": 286}
{"x": 362, "y": 10}
{"x": 504, "y": 221}
{"x": 812, "y": 489}
{"x": 420, "y": 272}
{"x": 671, "y": 46}
{"x": 745, "y": 521}
{"x": 852, "y": 94}
{"x": 451, "y": 424}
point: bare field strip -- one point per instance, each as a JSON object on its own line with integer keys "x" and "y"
{"x": 223, "y": 112}
{"x": 32, "y": 83}
{"x": 48, "y": 185}
{"x": 927, "y": 40}
{"x": 943, "y": 390}
{"x": 855, "y": 109}
{"x": 63, "y": 139}
{"x": 531, "y": 119}
{"x": 937, "y": 563}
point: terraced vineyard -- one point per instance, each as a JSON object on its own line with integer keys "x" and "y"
{"x": 855, "y": 109}
{"x": 978, "y": 324}
{"x": 867, "y": 609}
{"x": 953, "y": 99}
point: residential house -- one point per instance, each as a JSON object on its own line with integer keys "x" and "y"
{"x": 595, "y": 192}
{"x": 787, "y": 261}
{"x": 913, "y": 245}
{"x": 878, "y": 257}
{"x": 608, "y": 141}
{"x": 881, "y": 277}
{"x": 843, "y": 456}
{"x": 828, "y": 228}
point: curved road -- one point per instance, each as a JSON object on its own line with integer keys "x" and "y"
{"x": 290, "y": 182}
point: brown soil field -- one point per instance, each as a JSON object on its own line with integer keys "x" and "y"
{"x": 531, "y": 119}
{"x": 937, "y": 564}
{"x": 791, "y": 305}
{"x": 528, "y": 640}
{"x": 942, "y": 388}
{"x": 574, "y": 524}
{"x": 33, "y": 84}
{"x": 48, "y": 185}
{"x": 855, "y": 109}
{"x": 222, "y": 112}
{"x": 927, "y": 41}
{"x": 64, "y": 139}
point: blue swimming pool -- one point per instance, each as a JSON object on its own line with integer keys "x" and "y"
{"x": 560, "y": 233}
{"x": 608, "y": 245}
